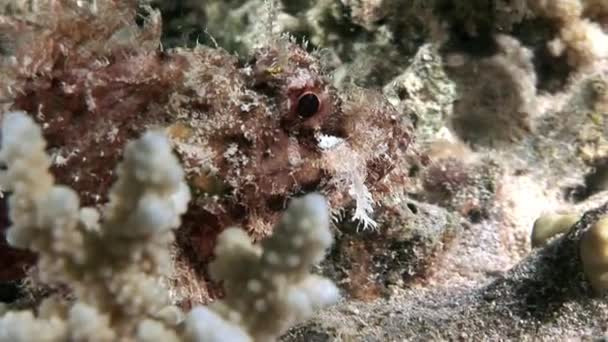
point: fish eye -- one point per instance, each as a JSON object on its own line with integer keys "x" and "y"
{"x": 308, "y": 105}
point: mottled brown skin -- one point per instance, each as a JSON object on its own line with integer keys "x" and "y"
{"x": 14, "y": 262}
{"x": 99, "y": 93}
{"x": 70, "y": 124}
{"x": 370, "y": 263}
{"x": 254, "y": 193}
{"x": 82, "y": 88}
{"x": 274, "y": 178}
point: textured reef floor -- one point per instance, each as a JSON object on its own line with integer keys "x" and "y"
{"x": 461, "y": 145}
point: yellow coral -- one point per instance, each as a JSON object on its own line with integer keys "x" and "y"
{"x": 549, "y": 225}
{"x": 594, "y": 254}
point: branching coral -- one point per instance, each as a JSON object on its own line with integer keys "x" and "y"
{"x": 116, "y": 267}
{"x": 272, "y": 280}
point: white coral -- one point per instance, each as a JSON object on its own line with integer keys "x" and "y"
{"x": 115, "y": 267}
{"x": 268, "y": 287}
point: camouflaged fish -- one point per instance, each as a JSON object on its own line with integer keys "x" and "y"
{"x": 251, "y": 132}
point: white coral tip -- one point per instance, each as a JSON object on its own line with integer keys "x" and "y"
{"x": 205, "y": 325}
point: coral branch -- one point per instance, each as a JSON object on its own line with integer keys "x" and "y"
{"x": 273, "y": 281}
{"x": 116, "y": 267}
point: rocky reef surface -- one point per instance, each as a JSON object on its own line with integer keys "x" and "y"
{"x": 446, "y": 136}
